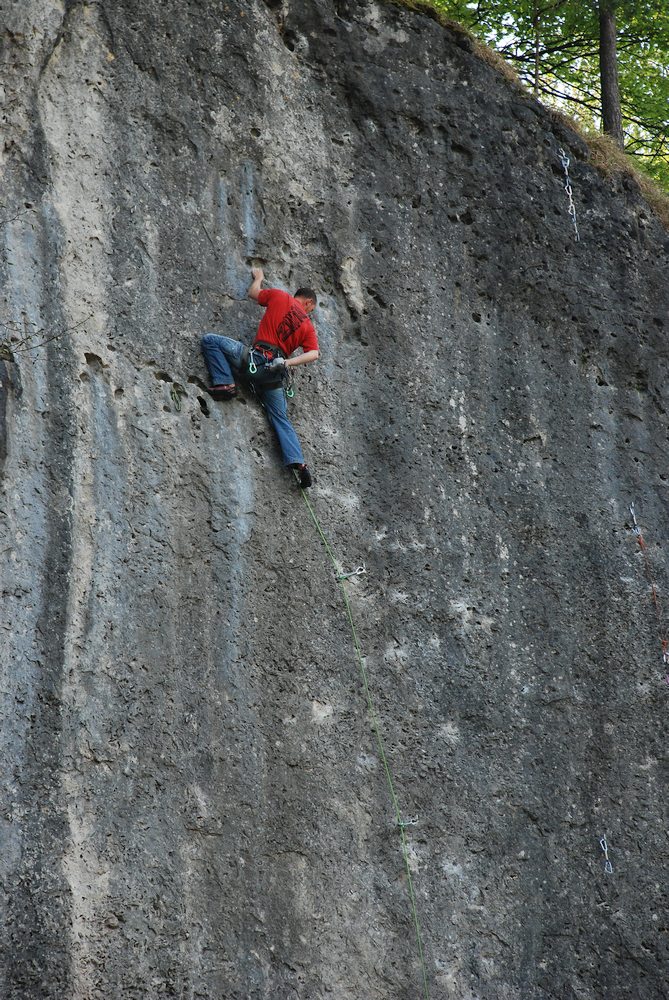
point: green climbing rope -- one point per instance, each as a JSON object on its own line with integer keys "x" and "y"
{"x": 376, "y": 726}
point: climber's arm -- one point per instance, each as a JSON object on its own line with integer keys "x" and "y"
{"x": 302, "y": 359}
{"x": 258, "y": 278}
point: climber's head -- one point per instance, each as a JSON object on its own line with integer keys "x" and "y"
{"x": 307, "y": 299}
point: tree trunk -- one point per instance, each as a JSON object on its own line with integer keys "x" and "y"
{"x": 608, "y": 69}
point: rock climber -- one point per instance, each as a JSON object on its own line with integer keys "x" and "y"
{"x": 284, "y": 328}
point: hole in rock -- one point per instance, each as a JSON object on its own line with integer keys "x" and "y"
{"x": 95, "y": 362}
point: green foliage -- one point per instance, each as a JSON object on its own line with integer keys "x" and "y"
{"x": 554, "y": 46}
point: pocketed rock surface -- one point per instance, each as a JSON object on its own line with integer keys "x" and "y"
{"x": 193, "y": 800}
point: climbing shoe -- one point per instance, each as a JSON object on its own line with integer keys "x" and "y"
{"x": 302, "y": 474}
{"x": 223, "y": 391}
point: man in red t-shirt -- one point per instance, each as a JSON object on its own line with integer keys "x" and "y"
{"x": 284, "y": 328}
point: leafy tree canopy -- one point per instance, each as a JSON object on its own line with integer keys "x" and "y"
{"x": 554, "y": 45}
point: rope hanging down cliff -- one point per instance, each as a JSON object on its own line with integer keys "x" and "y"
{"x": 376, "y": 726}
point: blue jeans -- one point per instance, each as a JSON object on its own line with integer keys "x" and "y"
{"x": 223, "y": 356}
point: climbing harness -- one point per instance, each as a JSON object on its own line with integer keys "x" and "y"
{"x": 655, "y": 597}
{"x": 257, "y": 389}
{"x": 570, "y": 194}
{"x": 608, "y": 867}
{"x": 261, "y": 370}
{"x": 376, "y": 726}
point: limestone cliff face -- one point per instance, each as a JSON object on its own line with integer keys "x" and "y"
{"x": 193, "y": 803}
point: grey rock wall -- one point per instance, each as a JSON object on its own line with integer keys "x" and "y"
{"x": 193, "y": 804}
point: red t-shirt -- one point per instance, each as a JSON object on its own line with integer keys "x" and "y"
{"x": 285, "y": 322}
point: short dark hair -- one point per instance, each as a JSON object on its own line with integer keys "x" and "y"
{"x": 306, "y": 293}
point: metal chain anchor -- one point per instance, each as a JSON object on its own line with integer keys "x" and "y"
{"x": 570, "y": 193}
{"x": 608, "y": 867}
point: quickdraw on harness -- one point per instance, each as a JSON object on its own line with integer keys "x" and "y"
{"x": 262, "y": 369}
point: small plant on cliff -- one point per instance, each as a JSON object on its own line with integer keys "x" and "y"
{"x": 13, "y": 341}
